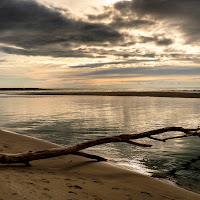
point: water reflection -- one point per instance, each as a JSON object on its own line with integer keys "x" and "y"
{"x": 72, "y": 119}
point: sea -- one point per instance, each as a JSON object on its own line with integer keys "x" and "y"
{"x": 71, "y": 119}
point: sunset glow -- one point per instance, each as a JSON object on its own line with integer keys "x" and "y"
{"x": 89, "y": 44}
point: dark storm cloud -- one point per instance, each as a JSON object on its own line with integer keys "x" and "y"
{"x": 33, "y": 26}
{"x": 167, "y": 8}
{"x": 117, "y": 18}
{"x": 182, "y": 13}
{"x": 123, "y": 16}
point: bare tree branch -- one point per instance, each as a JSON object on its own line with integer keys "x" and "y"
{"x": 25, "y": 157}
{"x": 157, "y": 139}
{"x": 169, "y": 138}
{"x": 87, "y": 155}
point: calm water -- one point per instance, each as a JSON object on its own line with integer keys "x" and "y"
{"x": 71, "y": 119}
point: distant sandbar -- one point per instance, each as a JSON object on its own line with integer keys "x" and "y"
{"x": 182, "y": 94}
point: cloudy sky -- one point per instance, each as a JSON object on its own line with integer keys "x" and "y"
{"x": 100, "y": 43}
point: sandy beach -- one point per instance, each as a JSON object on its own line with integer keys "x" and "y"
{"x": 74, "y": 177}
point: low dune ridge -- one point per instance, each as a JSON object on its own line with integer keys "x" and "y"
{"x": 73, "y": 177}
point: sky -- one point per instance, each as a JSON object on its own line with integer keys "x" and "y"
{"x": 100, "y": 44}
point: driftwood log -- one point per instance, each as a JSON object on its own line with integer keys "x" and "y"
{"x": 26, "y": 157}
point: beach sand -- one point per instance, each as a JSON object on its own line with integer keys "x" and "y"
{"x": 75, "y": 178}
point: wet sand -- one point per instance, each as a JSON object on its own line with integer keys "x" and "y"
{"x": 75, "y": 178}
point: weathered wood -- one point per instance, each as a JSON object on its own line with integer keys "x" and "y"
{"x": 87, "y": 155}
{"x": 26, "y": 157}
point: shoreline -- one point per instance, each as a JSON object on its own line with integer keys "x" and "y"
{"x": 129, "y": 168}
{"x": 75, "y": 177}
{"x": 182, "y": 94}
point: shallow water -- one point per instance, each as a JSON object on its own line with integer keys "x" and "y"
{"x": 71, "y": 119}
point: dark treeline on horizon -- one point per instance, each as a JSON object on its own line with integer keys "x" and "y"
{"x": 20, "y": 89}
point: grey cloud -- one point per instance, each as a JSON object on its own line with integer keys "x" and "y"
{"x": 117, "y": 18}
{"x": 182, "y": 13}
{"x": 50, "y": 52}
{"x": 144, "y": 71}
{"x": 167, "y": 8}
{"x": 161, "y": 41}
{"x": 127, "y": 55}
{"x": 119, "y": 22}
{"x": 124, "y": 17}
{"x": 102, "y": 16}
{"x": 196, "y": 60}
{"x": 33, "y": 26}
{"x": 95, "y": 65}
{"x": 164, "y": 42}
{"x": 102, "y": 52}
{"x": 127, "y": 44}
{"x": 123, "y": 6}
{"x": 145, "y": 39}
